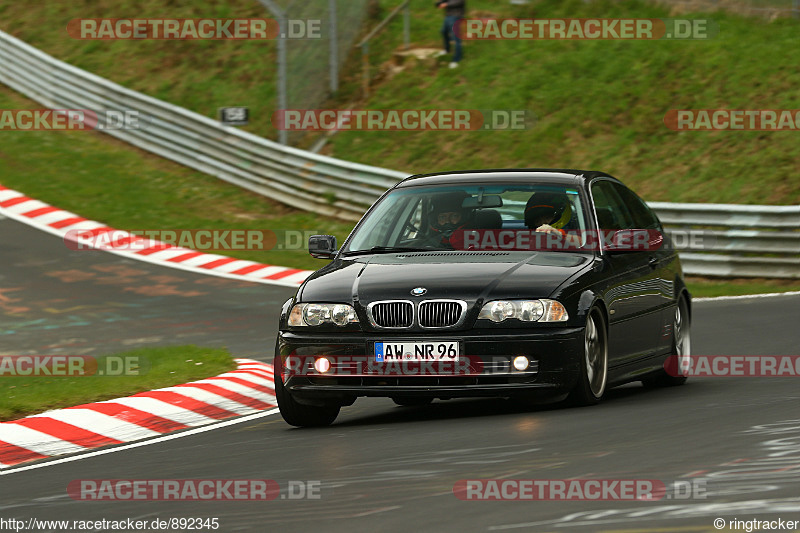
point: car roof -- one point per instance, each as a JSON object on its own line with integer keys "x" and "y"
{"x": 510, "y": 175}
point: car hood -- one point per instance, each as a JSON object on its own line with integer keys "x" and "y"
{"x": 462, "y": 275}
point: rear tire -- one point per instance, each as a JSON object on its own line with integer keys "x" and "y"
{"x": 591, "y": 383}
{"x": 681, "y": 349}
{"x": 412, "y": 401}
{"x": 300, "y": 415}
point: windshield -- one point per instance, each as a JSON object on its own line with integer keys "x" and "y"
{"x": 472, "y": 217}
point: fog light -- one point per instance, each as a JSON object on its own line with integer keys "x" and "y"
{"x": 521, "y": 362}
{"x": 322, "y": 365}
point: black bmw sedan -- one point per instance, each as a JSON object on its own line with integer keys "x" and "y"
{"x": 536, "y": 285}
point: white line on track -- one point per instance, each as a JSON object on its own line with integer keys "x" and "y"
{"x": 746, "y": 296}
{"x": 156, "y": 440}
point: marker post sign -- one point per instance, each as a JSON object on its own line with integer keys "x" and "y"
{"x": 234, "y": 116}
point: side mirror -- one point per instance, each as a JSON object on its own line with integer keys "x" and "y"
{"x": 322, "y": 246}
{"x": 634, "y": 240}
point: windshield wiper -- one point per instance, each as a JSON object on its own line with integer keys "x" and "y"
{"x": 388, "y": 250}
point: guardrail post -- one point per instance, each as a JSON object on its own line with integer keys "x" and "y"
{"x": 283, "y": 135}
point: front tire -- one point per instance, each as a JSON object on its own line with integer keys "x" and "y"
{"x": 591, "y": 383}
{"x": 300, "y": 415}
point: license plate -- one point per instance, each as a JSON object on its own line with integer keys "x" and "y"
{"x": 416, "y": 351}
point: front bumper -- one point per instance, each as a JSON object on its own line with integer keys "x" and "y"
{"x": 484, "y": 368}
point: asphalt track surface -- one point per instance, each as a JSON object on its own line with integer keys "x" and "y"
{"x": 388, "y": 468}
{"x": 59, "y": 301}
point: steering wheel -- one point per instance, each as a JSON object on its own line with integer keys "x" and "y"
{"x": 411, "y": 226}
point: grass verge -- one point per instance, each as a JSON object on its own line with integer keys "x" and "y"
{"x": 701, "y": 287}
{"x": 158, "y": 367}
{"x": 103, "y": 179}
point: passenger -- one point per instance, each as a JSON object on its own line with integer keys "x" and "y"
{"x": 548, "y": 213}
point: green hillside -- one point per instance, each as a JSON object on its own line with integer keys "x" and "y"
{"x": 600, "y": 104}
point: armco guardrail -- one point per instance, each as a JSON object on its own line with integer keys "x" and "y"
{"x": 341, "y": 189}
{"x": 750, "y": 216}
{"x": 735, "y": 240}
{"x": 295, "y": 177}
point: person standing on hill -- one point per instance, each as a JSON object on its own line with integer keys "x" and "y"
{"x": 453, "y": 15}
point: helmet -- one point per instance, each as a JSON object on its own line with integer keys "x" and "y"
{"x": 550, "y": 206}
{"x": 447, "y": 213}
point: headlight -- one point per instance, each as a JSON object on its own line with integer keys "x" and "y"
{"x": 317, "y": 314}
{"x": 524, "y": 310}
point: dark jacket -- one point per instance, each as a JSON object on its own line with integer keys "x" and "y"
{"x": 456, "y": 8}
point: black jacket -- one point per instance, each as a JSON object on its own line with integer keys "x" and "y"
{"x": 455, "y": 8}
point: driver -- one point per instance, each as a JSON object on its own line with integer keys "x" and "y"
{"x": 447, "y": 216}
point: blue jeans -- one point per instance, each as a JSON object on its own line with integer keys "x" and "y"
{"x": 450, "y": 30}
